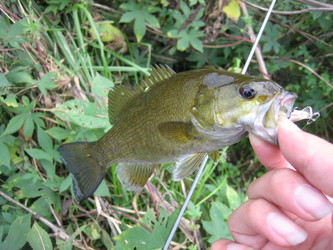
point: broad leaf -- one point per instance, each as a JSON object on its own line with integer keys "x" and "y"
{"x": 140, "y": 238}
{"x": 233, "y": 198}
{"x": 16, "y": 237}
{"x": 4, "y": 154}
{"x": 102, "y": 190}
{"x": 38, "y": 238}
{"x": 217, "y": 227}
{"x": 83, "y": 113}
{"x": 232, "y": 10}
{"x": 3, "y": 81}
{"x": 15, "y": 124}
{"x": 101, "y": 86}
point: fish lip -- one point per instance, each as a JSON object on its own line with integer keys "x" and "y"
{"x": 266, "y": 124}
{"x": 282, "y": 105}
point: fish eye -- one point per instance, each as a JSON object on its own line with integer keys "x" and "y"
{"x": 247, "y": 92}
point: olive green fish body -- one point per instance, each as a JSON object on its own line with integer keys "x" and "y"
{"x": 175, "y": 118}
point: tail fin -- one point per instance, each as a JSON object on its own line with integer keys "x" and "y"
{"x": 84, "y": 166}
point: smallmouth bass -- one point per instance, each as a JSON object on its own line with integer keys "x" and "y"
{"x": 175, "y": 118}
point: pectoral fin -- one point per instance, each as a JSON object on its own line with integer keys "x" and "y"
{"x": 179, "y": 132}
{"x": 134, "y": 176}
{"x": 187, "y": 165}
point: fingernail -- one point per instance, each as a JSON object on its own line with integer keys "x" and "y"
{"x": 235, "y": 246}
{"x": 312, "y": 201}
{"x": 286, "y": 229}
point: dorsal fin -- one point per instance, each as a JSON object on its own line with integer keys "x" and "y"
{"x": 120, "y": 97}
{"x": 158, "y": 74}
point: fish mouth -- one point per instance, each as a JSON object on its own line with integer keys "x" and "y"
{"x": 266, "y": 125}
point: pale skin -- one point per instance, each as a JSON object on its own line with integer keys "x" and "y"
{"x": 289, "y": 207}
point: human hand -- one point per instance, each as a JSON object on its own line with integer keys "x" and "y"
{"x": 287, "y": 207}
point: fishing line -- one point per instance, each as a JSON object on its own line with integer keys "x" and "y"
{"x": 247, "y": 63}
{"x": 202, "y": 166}
{"x": 187, "y": 200}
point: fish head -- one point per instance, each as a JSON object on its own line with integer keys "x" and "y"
{"x": 253, "y": 104}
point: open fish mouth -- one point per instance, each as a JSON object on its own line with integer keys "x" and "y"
{"x": 285, "y": 103}
{"x": 266, "y": 124}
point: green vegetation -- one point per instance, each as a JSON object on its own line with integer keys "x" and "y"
{"x": 58, "y": 61}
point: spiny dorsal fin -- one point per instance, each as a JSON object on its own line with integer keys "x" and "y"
{"x": 120, "y": 97}
{"x": 158, "y": 74}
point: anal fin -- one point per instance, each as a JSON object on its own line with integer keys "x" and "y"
{"x": 134, "y": 176}
{"x": 187, "y": 165}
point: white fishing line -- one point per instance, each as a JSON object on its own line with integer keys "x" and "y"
{"x": 247, "y": 63}
{"x": 195, "y": 182}
{"x": 187, "y": 200}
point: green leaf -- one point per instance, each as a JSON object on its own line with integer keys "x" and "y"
{"x": 139, "y": 28}
{"x": 15, "y": 124}
{"x": 40, "y": 206}
{"x": 173, "y": 33}
{"x": 184, "y": 42}
{"x": 108, "y": 33}
{"x": 65, "y": 184}
{"x": 44, "y": 140}
{"x": 39, "y": 154}
{"x": 10, "y": 100}
{"x": 101, "y": 86}
{"x": 271, "y": 38}
{"x": 83, "y": 113}
{"x": 325, "y": 22}
{"x": 106, "y": 239}
{"x": 141, "y": 239}
{"x": 140, "y": 15}
{"x": 194, "y": 211}
{"x": 151, "y": 20}
{"x": 19, "y": 76}
{"x": 3, "y": 81}
{"x": 102, "y": 190}
{"x": 197, "y": 44}
{"x": 16, "y": 237}
{"x": 185, "y": 9}
{"x": 58, "y": 133}
{"x": 4, "y": 155}
{"x": 47, "y": 82}
{"x": 127, "y": 17}
{"x": 38, "y": 238}
{"x": 233, "y": 198}
{"x": 217, "y": 227}
{"x": 29, "y": 127}
{"x": 69, "y": 243}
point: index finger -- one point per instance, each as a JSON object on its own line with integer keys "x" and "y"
{"x": 308, "y": 154}
{"x": 268, "y": 154}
